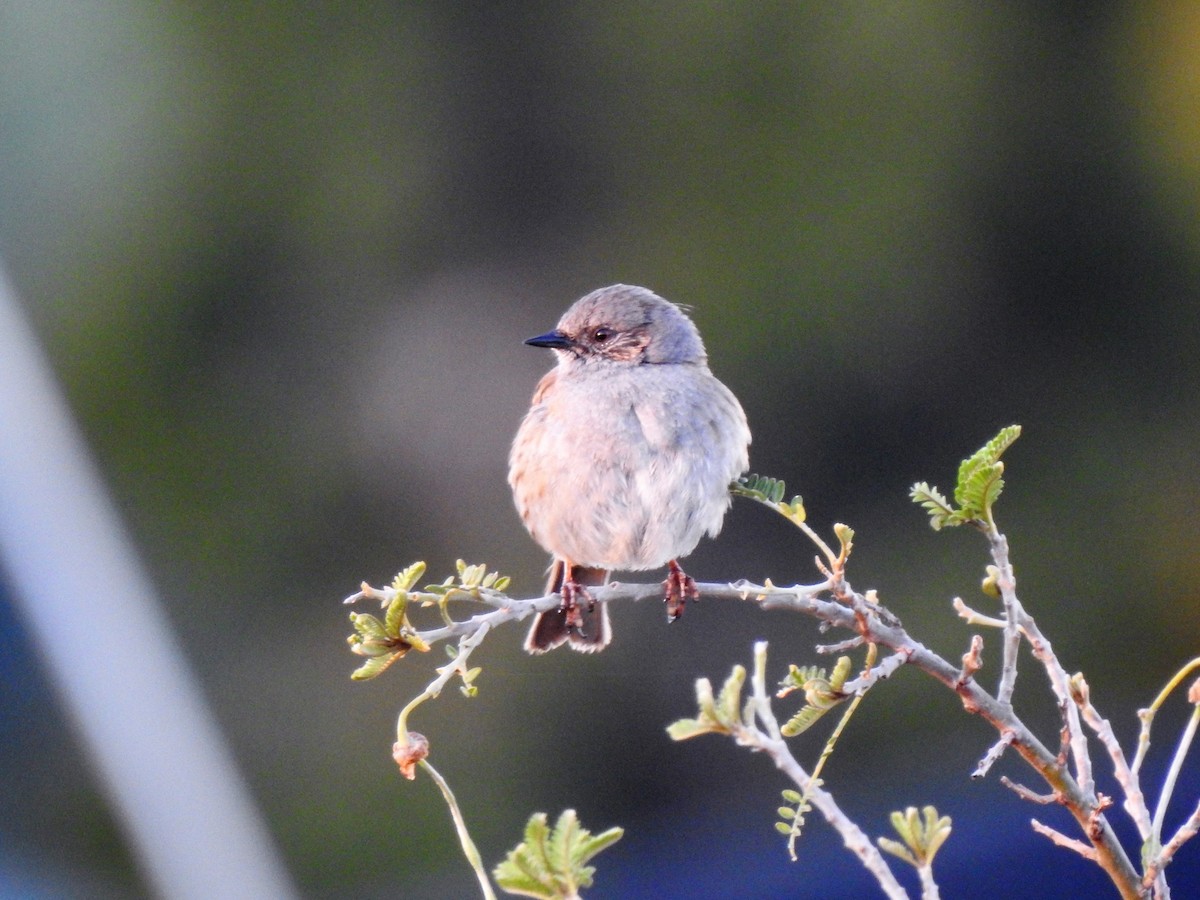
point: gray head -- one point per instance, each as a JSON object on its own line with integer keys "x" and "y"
{"x": 624, "y": 324}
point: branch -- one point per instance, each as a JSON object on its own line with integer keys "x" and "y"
{"x": 858, "y": 614}
{"x": 769, "y": 741}
{"x": 1060, "y": 683}
{"x": 1063, "y": 841}
{"x": 1006, "y": 584}
{"x": 1135, "y": 800}
{"x": 875, "y": 674}
{"x": 1185, "y": 833}
{"x": 989, "y": 759}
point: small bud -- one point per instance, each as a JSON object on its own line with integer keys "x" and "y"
{"x": 408, "y": 753}
{"x": 990, "y": 585}
{"x": 1194, "y": 693}
{"x": 1080, "y": 692}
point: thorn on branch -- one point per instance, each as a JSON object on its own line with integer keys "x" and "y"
{"x": 972, "y": 661}
{"x": 1032, "y": 796}
{"x": 1064, "y": 736}
{"x": 1096, "y": 816}
{"x": 975, "y": 618}
{"x": 1088, "y": 853}
{"x": 994, "y": 754}
{"x": 841, "y": 647}
{"x": 1186, "y": 832}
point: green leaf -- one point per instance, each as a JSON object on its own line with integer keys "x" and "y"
{"x": 760, "y": 488}
{"x": 979, "y": 490}
{"x": 368, "y": 626}
{"x": 729, "y": 702}
{"x": 896, "y": 849}
{"x": 704, "y": 699}
{"x": 403, "y": 582}
{"x": 794, "y": 510}
{"x": 976, "y": 490}
{"x": 991, "y": 582}
{"x": 841, "y": 671}
{"x": 374, "y": 666}
{"x": 822, "y": 691}
{"x": 688, "y": 728}
{"x": 394, "y": 620}
{"x": 797, "y": 677}
{"x": 979, "y": 482}
{"x": 551, "y": 863}
{"x": 590, "y": 845}
{"x": 561, "y": 841}
{"x": 802, "y": 721}
{"x": 941, "y": 513}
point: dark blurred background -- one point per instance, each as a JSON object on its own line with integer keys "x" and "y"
{"x": 283, "y": 256}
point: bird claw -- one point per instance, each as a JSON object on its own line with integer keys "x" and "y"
{"x": 572, "y": 592}
{"x": 679, "y": 587}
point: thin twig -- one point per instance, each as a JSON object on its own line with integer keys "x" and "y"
{"x": 1063, "y": 841}
{"x": 1018, "y": 623}
{"x": 1185, "y": 833}
{"x": 840, "y": 647}
{"x": 1006, "y": 581}
{"x": 989, "y": 759}
{"x": 972, "y": 660}
{"x": 929, "y": 888}
{"x": 1164, "y": 800}
{"x": 1131, "y": 786}
{"x": 456, "y": 666}
{"x": 1147, "y": 715}
{"x": 975, "y": 618}
{"x": 1026, "y": 794}
{"x": 470, "y": 851}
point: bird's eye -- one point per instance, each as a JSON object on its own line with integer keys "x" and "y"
{"x": 602, "y": 335}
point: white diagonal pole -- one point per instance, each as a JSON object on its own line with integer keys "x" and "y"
{"x": 110, "y": 652}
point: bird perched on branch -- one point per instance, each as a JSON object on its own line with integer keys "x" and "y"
{"x": 625, "y": 457}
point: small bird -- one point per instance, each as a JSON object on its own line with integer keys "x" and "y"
{"x": 625, "y": 457}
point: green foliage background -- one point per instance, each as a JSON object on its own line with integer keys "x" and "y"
{"x": 283, "y": 256}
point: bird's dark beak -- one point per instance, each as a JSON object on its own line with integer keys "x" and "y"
{"x": 555, "y": 340}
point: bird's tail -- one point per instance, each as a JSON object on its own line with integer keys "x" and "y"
{"x": 585, "y": 627}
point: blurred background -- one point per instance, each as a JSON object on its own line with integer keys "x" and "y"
{"x": 283, "y": 257}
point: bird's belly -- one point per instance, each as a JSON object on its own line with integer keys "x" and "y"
{"x": 629, "y": 517}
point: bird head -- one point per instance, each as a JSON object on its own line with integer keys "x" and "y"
{"x": 625, "y": 325}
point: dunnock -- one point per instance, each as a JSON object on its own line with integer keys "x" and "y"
{"x": 626, "y": 455}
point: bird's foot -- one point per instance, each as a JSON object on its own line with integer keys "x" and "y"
{"x": 572, "y": 594}
{"x": 679, "y": 588}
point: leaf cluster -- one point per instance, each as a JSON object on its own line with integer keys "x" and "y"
{"x": 387, "y": 640}
{"x": 922, "y": 836}
{"x": 384, "y": 642}
{"x": 469, "y": 579}
{"x": 551, "y": 863}
{"x": 468, "y": 688}
{"x": 822, "y": 692}
{"x": 717, "y": 715}
{"x": 770, "y": 492}
{"x": 791, "y": 816}
{"x": 978, "y": 487}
